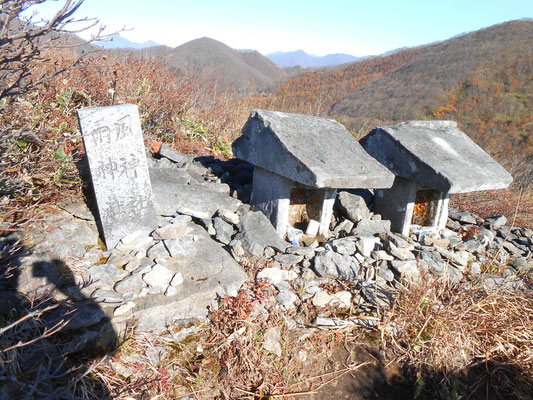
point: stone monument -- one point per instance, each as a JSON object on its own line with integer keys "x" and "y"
{"x": 112, "y": 137}
{"x": 300, "y": 162}
{"x": 431, "y": 160}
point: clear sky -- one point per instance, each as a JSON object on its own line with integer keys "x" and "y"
{"x": 355, "y": 27}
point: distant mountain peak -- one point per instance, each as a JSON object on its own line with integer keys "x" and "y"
{"x": 303, "y": 59}
{"x": 118, "y": 42}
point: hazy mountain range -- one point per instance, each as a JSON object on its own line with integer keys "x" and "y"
{"x": 302, "y": 59}
{"x": 119, "y": 42}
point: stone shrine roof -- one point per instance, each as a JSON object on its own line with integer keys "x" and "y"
{"x": 436, "y": 154}
{"x": 310, "y": 150}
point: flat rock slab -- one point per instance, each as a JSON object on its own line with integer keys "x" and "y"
{"x": 209, "y": 274}
{"x": 436, "y": 154}
{"x": 196, "y": 201}
{"x": 113, "y": 141}
{"x": 256, "y": 232}
{"x": 313, "y": 151}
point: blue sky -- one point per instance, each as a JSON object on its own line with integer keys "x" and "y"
{"x": 318, "y": 27}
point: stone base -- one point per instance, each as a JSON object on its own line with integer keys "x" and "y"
{"x": 275, "y": 196}
{"x": 405, "y": 200}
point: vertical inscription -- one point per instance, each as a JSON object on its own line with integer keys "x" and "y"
{"x": 113, "y": 142}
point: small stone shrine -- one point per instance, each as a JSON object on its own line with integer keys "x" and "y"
{"x": 115, "y": 150}
{"x": 431, "y": 160}
{"x": 300, "y": 161}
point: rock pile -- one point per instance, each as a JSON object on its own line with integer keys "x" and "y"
{"x": 179, "y": 272}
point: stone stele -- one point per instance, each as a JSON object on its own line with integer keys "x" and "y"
{"x": 112, "y": 137}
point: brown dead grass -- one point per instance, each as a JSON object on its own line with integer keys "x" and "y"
{"x": 467, "y": 337}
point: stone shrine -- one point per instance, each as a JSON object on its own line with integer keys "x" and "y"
{"x": 113, "y": 141}
{"x": 300, "y": 161}
{"x": 431, "y": 160}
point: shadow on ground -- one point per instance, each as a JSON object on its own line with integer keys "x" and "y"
{"x": 48, "y": 341}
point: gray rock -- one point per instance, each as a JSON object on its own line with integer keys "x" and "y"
{"x": 286, "y": 299}
{"x": 182, "y": 248}
{"x": 170, "y": 231}
{"x": 228, "y": 216}
{"x": 131, "y": 283}
{"x": 333, "y": 265}
{"x": 159, "y": 278}
{"x": 344, "y": 246}
{"x": 175, "y": 156}
{"x": 105, "y": 274}
{"x": 352, "y": 206}
{"x": 386, "y": 274}
{"x": 462, "y": 216}
{"x": 344, "y": 226}
{"x": 408, "y": 269}
{"x": 224, "y": 230}
{"x": 486, "y": 237}
{"x": 370, "y": 227}
{"x": 453, "y": 225}
{"x": 512, "y": 248}
{"x": 496, "y": 221}
{"x": 107, "y": 296}
{"x": 157, "y": 250}
{"x": 288, "y": 260}
{"x": 196, "y": 201}
{"x": 256, "y": 232}
{"x": 307, "y": 252}
{"x": 366, "y": 244}
{"x": 400, "y": 253}
{"x": 272, "y": 339}
{"x": 276, "y": 275}
{"x": 522, "y": 264}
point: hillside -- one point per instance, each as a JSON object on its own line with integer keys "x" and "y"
{"x": 403, "y": 92}
{"x": 210, "y": 60}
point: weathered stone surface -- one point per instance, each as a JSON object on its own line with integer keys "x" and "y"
{"x": 276, "y": 275}
{"x": 210, "y": 274}
{"x": 224, "y": 230}
{"x": 131, "y": 283}
{"x": 183, "y": 247}
{"x": 176, "y": 157}
{"x": 228, "y": 216}
{"x": 196, "y": 201}
{"x": 286, "y": 299}
{"x": 313, "y": 151}
{"x": 272, "y": 338}
{"x": 496, "y": 221}
{"x": 256, "y": 232}
{"x": 462, "y": 216}
{"x": 159, "y": 278}
{"x": 157, "y": 250}
{"x": 366, "y": 244}
{"x": 112, "y": 137}
{"x": 288, "y": 260}
{"x": 407, "y": 269}
{"x": 170, "y": 231}
{"x": 105, "y": 274}
{"x": 134, "y": 241}
{"x": 107, "y": 296}
{"x": 344, "y": 246}
{"x": 333, "y": 265}
{"x": 369, "y": 227}
{"x": 435, "y": 154}
{"x": 307, "y": 252}
{"x": 353, "y": 206}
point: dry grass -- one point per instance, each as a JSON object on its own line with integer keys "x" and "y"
{"x": 472, "y": 339}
